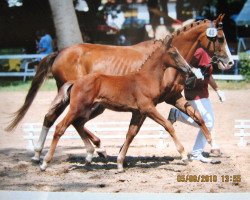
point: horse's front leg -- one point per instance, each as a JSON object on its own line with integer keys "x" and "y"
{"x": 134, "y": 127}
{"x": 157, "y": 117}
{"x": 183, "y": 105}
{"x": 57, "y": 107}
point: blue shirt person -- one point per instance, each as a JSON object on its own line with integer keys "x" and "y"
{"x": 45, "y": 44}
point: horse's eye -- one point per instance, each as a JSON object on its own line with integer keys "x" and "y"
{"x": 221, "y": 39}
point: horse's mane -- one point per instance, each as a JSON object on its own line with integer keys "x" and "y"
{"x": 188, "y": 27}
{"x": 174, "y": 34}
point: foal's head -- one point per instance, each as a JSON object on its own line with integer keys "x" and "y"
{"x": 176, "y": 60}
{"x": 180, "y": 62}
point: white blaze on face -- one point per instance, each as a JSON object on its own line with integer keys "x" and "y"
{"x": 230, "y": 61}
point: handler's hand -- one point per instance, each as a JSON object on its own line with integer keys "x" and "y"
{"x": 221, "y": 95}
{"x": 197, "y": 73}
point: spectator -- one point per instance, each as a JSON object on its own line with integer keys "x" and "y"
{"x": 44, "y": 43}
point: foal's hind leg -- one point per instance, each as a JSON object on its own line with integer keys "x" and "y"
{"x": 157, "y": 117}
{"x": 134, "y": 127}
{"x": 57, "y": 107}
{"x": 100, "y": 150}
{"x": 60, "y": 129}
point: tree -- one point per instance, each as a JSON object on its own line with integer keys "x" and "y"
{"x": 66, "y": 24}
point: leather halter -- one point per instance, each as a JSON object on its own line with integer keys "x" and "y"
{"x": 212, "y": 40}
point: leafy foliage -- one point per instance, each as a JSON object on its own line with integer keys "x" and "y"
{"x": 245, "y": 65}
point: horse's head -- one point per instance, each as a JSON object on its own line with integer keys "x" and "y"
{"x": 214, "y": 42}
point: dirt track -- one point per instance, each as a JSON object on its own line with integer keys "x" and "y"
{"x": 148, "y": 169}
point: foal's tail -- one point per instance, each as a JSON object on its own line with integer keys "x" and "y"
{"x": 41, "y": 74}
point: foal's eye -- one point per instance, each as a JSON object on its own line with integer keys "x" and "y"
{"x": 221, "y": 39}
{"x": 175, "y": 54}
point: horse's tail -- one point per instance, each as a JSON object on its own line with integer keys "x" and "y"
{"x": 41, "y": 74}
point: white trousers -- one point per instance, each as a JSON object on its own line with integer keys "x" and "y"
{"x": 204, "y": 107}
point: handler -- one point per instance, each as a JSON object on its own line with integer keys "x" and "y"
{"x": 197, "y": 95}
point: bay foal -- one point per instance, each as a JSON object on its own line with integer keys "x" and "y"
{"x": 137, "y": 92}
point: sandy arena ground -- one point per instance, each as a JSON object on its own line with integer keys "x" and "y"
{"x": 148, "y": 169}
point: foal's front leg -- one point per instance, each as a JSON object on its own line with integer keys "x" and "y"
{"x": 183, "y": 105}
{"x": 157, "y": 117}
{"x": 134, "y": 127}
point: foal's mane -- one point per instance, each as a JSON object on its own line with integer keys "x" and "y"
{"x": 162, "y": 42}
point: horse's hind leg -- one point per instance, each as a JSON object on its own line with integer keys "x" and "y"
{"x": 89, "y": 147}
{"x": 183, "y": 105}
{"x": 157, "y": 117}
{"x": 58, "y": 105}
{"x": 134, "y": 127}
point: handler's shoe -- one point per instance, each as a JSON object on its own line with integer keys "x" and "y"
{"x": 172, "y": 115}
{"x": 201, "y": 158}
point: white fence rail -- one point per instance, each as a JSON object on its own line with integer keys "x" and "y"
{"x": 27, "y": 71}
{"x": 242, "y": 127}
{"x": 228, "y": 77}
{"x": 104, "y": 130}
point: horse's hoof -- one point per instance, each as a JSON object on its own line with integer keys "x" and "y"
{"x": 35, "y": 160}
{"x": 215, "y": 152}
{"x": 185, "y": 160}
{"x": 119, "y": 171}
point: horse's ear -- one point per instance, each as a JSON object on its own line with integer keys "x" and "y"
{"x": 219, "y": 19}
{"x": 222, "y": 16}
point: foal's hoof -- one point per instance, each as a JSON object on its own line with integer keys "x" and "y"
{"x": 87, "y": 163}
{"x": 43, "y": 167}
{"x": 35, "y": 160}
{"x": 89, "y": 158}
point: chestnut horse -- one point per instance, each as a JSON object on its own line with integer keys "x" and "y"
{"x": 129, "y": 93}
{"x": 79, "y": 60}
